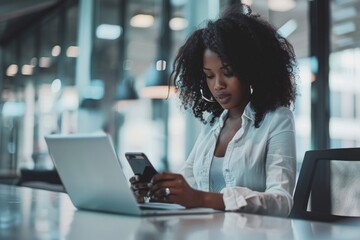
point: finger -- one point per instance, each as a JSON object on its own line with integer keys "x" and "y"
{"x": 160, "y": 198}
{"x": 144, "y": 191}
{"x": 166, "y": 180}
{"x": 140, "y": 199}
{"x": 164, "y": 193}
{"x": 140, "y": 196}
{"x": 135, "y": 178}
{"x": 162, "y": 185}
{"x": 177, "y": 182}
{"x": 169, "y": 199}
{"x": 141, "y": 192}
{"x": 140, "y": 186}
{"x": 164, "y": 176}
{"x": 158, "y": 194}
{"x": 165, "y": 199}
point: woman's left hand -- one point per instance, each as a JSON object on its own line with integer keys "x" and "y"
{"x": 173, "y": 188}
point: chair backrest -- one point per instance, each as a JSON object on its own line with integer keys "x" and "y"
{"x": 330, "y": 179}
{"x": 47, "y": 179}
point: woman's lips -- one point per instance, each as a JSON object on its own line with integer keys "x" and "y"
{"x": 223, "y": 98}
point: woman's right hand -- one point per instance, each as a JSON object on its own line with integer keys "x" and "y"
{"x": 139, "y": 188}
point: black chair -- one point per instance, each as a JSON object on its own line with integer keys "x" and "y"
{"x": 41, "y": 179}
{"x": 315, "y": 182}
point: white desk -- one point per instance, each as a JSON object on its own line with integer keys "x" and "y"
{"x": 37, "y": 214}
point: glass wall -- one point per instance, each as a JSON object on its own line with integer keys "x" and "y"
{"x": 344, "y": 76}
{"x": 68, "y": 73}
{"x": 37, "y": 95}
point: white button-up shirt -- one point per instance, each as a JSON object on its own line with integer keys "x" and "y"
{"x": 259, "y": 165}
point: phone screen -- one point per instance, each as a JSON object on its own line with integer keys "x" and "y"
{"x": 141, "y": 165}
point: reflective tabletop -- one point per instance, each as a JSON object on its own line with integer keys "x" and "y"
{"x": 27, "y": 213}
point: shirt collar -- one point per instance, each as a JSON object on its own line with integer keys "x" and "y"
{"x": 248, "y": 113}
{"x": 223, "y": 117}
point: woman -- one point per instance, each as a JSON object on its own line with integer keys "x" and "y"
{"x": 240, "y": 73}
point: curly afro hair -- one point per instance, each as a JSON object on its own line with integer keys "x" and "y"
{"x": 253, "y": 49}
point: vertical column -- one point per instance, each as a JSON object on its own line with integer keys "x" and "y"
{"x": 28, "y": 124}
{"x": 36, "y": 114}
{"x": 164, "y": 49}
{"x": 119, "y": 117}
{"x": 122, "y": 39}
{"x": 196, "y": 14}
{"x": 85, "y": 45}
{"x": 320, "y": 107}
{"x": 320, "y": 50}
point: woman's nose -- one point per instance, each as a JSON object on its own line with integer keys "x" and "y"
{"x": 219, "y": 83}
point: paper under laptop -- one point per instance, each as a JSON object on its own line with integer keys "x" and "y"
{"x": 92, "y": 176}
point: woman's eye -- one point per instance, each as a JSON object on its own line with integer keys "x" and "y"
{"x": 209, "y": 76}
{"x": 229, "y": 74}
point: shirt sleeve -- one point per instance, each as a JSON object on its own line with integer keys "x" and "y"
{"x": 280, "y": 168}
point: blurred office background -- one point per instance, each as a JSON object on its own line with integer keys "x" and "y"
{"x": 80, "y": 66}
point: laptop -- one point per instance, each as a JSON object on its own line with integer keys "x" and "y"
{"x": 92, "y": 175}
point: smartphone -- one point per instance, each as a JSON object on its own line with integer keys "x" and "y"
{"x": 141, "y": 165}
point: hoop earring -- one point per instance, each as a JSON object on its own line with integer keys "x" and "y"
{"x": 251, "y": 90}
{"x": 211, "y": 99}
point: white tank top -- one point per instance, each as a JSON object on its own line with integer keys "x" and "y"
{"x": 216, "y": 177}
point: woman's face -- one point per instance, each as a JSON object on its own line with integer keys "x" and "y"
{"x": 226, "y": 88}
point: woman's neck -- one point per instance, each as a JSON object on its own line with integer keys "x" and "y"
{"x": 236, "y": 113}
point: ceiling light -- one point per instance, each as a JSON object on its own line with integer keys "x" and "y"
{"x": 72, "y": 51}
{"x": 178, "y": 23}
{"x": 12, "y": 70}
{"x": 142, "y": 20}
{"x": 108, "y": 31}
{"x": 281, "y": 5}
{"x": 27, "y": 69}
{"x": 44, "y": 62}
{"x": 56, "y": 50}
